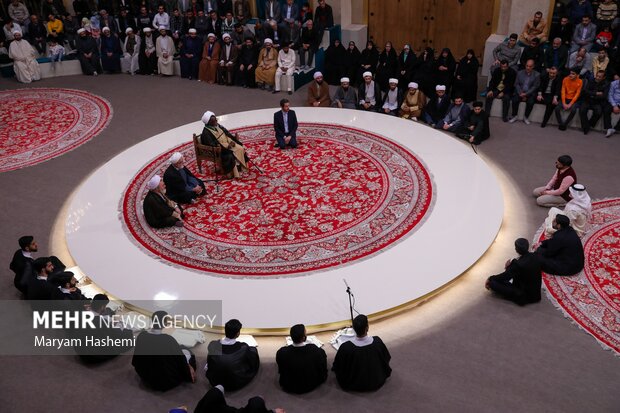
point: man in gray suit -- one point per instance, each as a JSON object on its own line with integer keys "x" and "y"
{"x": 526, "y": 88}
{"x": 584, "y": 35}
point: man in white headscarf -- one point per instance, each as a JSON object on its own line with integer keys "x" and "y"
{"x": 345, "y": 96}
{"x": 165, "y": 53}
{"x": 24, "y": 63}
{"x": 159, "y": 210}
{"x": 233, "y": 157}
{"x": 182, "y": 185}
{"x": 578, "y": 210}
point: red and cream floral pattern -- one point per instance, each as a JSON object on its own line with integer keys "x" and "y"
{"x": 342, "y": 195}
{"x": 592, "y": 297}
{"x": 40, "y": 124}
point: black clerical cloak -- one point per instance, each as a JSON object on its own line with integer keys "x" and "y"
{"x": 157, "y": 212}
{"x": 562, "y": 254}
{"x": 233, "y": 366}
{"x": 302, "y": 369}
{"x": 214, "y": 402}
{"x": 159, "y": 361}
{"x": 362, "y": 368}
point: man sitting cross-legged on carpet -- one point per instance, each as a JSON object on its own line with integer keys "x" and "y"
{"x": 362, "y": 364}
{"x": 521, "y": 280}
{"x": 556, "y": 193}
{"x": 285, "y": 125}
{"x": 181, "y": 185}
{"x": 234, "y": 160}
{"x": 158, "y": 358}
{"x": 302, "y": 366}
{"x": 159, "y": 210}
{"x": 562, "y": 254}
{"x": 231, "y": 363}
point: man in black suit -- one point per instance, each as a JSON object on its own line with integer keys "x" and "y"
{"x": 302, "y": 366}
{"x": 285, "y": 125}
{"x": 501, "y": 86}
{"x": 181, "y": 185}
{"x": 562, "y": 254}
{"x": 521, "y": 280}
{"x": 437, "y": 107}
{"x": 231, "y": 363}
{"x": 39, "y": 287}
{"x": 22, "y": 259}
{"x": 549, "y": 92}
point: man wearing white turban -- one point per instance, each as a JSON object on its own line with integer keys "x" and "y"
{"x": 182, "y": 186}
{"x": 318, "y": 92}
{"x": 267, "y": 63}
{"x": 164, "y": 47}
{"x": 24, "y": 63}
{"x": 159, "y": 210}
{"x": 228, "y": 61}
{"x": 392, "y": 98}
{"x": 345, "y": 96}
{"x": 369, "y": 93}
{"x": 131, "y": 52}
{"x": 413, "y": 103}
{"x": 578, "y": 210}
{"x": 233, "y": 157}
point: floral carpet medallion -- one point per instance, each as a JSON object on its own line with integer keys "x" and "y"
{"x": 40, "y": 124}
{"x": 341, "y": 196}
{"x": 592, "y": 297}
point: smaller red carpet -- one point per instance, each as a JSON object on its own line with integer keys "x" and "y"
{"x": 40, "y": 124}
{"x": 592, "y": 298}
{"x": 341, "y": 196}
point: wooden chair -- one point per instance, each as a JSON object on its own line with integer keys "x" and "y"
{"x": 208, "y": 153}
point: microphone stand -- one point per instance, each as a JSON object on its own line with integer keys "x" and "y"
{"x": 350, "y": 294}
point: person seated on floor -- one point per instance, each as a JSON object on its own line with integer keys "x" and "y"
{"x": 214, "y": 402}
{"x": 458, "y": 112}
{"x": 362, "y": 364}
{"x": 556, "y": 193}
{"x": 302, "y": 366}
{"x": 25, "y": 63}
{"x": 476, "y": 127}
{"x": 369, "y": 93}
{"x": 413, "y": 104}
{"x": 22, "y": 261}
{"x": 578, "y": 210}
{"x": 123, "y": 338}
{"x": 158, "y": 358}
{"x": 437, "y": 107}
{"x": 285, "y": 126}
{"x": 39, "y": 287}
{"x": 181, "y": 185}
{"x": 318, "y": 92}
{"x": 67, "y": 284}
{"x": 233, "y": 158}
{"x": 159, "y": 210}
{"x": 521, "y": 280}
{"x": 345, "y": 96}
{"x": 392, "y": 99}
{"x": 231, "y": 363}
{"x": 562, "y": 254}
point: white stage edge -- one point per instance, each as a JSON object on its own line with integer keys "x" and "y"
{"x": 460, "y": 227}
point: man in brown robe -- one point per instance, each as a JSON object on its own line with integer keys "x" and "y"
{"x": 210, "y": 59}
{"x": 234, "y": 160}
{"x": 318, "y": 92}
{"x": 267, "y": 64}
{"x": 413, "y": 103}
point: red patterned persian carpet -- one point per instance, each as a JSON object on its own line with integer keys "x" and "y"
{"x": 40, "y": 124}
{"x": 592, "y": 297}
{"x": 341, "y": 196}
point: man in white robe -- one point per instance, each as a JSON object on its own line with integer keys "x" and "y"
{"x": 131, "y": 52}
{"x": 165, "y": 53}
{"x": 578, "y": 210}
{"x": 24, "y": 63}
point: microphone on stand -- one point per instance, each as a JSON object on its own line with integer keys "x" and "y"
{"x": 350, "y": 299}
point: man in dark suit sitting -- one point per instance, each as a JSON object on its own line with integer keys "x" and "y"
{"x": 22, "y": 261}
{"x": 302, "y": 366}
{"x": 521, "y": 280}
{"x": 562, "y": 254}
{"x": 285, "y": 125}
{"x": 182, "y": 186}
{"x": 231, "y": 363}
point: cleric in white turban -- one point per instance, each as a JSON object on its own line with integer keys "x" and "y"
{"x": 413, "y": 102}
{"x": 182, "y": 185}
{"x": 318, "y": 92}
{"x": 392, "y": 98}
{"x": 23, "y": 54}
{"x": 345, "y": 96}
{"x": 159, "y": 210}
{"x": 233, "y": 158}
{"x": 165, "y": 49}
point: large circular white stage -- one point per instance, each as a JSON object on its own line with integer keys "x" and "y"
{"x": 465, "y": 217}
